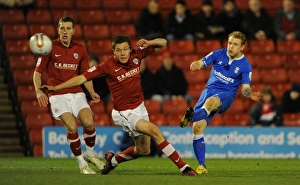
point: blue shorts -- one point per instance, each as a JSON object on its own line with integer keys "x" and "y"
{"x": 225, "y": 97}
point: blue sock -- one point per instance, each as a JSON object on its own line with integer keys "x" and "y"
{"x": 199, "y": 115}
{"x": 199, "y": 149}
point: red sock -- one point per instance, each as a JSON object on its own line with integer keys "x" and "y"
{"x": 126, "y": 155}
{"x": 170, "y": 151}
{"x": 89, "y": 137}
{"x": 74, "y": 142}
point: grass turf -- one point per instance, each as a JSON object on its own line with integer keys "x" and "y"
{"x": 152, "y": 171}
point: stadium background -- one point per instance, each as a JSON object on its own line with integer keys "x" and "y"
{"x": 97, "y": 22}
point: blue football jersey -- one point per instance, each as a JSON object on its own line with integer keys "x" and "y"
{"x": 226, "y": 75}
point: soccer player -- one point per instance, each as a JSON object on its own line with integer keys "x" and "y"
{"x": 122, "y": 72}
{"x": 66, "y": 60}
{"x": 230, "y": 69}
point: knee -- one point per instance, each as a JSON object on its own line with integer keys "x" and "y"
{"x": 212, "y": 103}
{"x": 87, "y": 123}
{"x": 72, "y": 128}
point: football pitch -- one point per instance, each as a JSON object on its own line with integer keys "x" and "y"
{"x": 150, "y": 171}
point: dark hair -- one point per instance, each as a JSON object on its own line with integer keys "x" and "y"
{"x": 120, "y": 39}
{"x": 94, "y": 57}
{"x": 66, "y": 18}
{"x": 238, "y": 35}
{"x": 182, "y": 2}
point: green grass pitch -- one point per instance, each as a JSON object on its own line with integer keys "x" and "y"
{"x": 150, "y": 171}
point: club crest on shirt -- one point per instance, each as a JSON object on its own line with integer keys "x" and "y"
{"x": 76, "y": 55}
{"x": 236, "y": 70}
{"x": 135, "y": 61}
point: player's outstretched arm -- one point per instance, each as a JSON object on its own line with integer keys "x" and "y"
{"x": 75, "y": 81}
{"x": 247, "y": 92}
{"x": 158, "y": 43}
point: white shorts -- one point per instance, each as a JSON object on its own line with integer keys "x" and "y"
{"x": 127, "y": 119}
{"x": 68, "y": 103}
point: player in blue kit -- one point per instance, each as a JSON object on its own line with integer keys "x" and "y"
{"x": 230, "y": 69}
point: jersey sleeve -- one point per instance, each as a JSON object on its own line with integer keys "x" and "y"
{"x": 42, "y": 63}
{"x": 100, "y": 70}
{"x": 246, "y": 75}
{"x": 143, "y": 52}
{"x": 208, "y": 59}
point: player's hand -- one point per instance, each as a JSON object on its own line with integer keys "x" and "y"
{"x": 42, "y": 98}
{"x": 143, "y": 43}
{"x": 256, "y": 96}
{"x": 195, "y": 66}
{"x": 95, "y": 97}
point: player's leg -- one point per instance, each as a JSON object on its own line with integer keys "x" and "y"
{"x": 81, "y": 109}
{"x": 155, "y": 133}
{"x": 61, "y": 110}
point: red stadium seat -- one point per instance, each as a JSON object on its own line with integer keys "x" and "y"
{"x": 26, "y": 92}
{"x": 114, "y": 4}
{"x": 174, "y": 119}
{"x": 279, "y": 89}
{"x": 97, "y": 107}
{"x": 59, "y": 4}
{"x": 153, "y": 106}
{"x": 14, "y": 31}
{"x": 273, "y": 76}
{"x": 194, "y": 5}
{"x": 195, "y": 90}
{"x": 197, "y": 77}
{"x": 293, "y": 75}
{"x": 158, "y": 119}
{"x": 262, "y": 46}
{"x": 11, "y": 16}
{"x": 174, "y": 106}
{"x": 32, "y": 106}
{"x": 101, "y": 119}
{"x": 99, "y": 46}
{"x": 118, "y": 17}
{"x": 204, "y": 47}
{"x": 182, "y": 47}
{"x": 41, "y": 4}
{"x": 35, "y": 16}
{"x": 16, "y": 47}
{"x": 87, "y": 4}
{"x": 38, "y": 120}
{"x": 288, "y": 46}
{"x": 91, "y": 16}
{"x": 272, "y": 60}
{"x": 167, "y": 4}
{"x": 291, "y": 119}
{"x": 217, "y": 121}
{"x": 256, "y": 78}
{"x": 250, "y": 58}
{"x": 237, "y": 107}
{"x": 48, "y": 29}
{"x": 153, "y": 62}
{"x": 35, "y": 136}
{"x": 135, "y": 15}
{"x": 81, "y": 41}
{"x": 236, "y": 119}
{"x": 96, "y": 31}
{"x": 125, "y": 29}
{"x": 291, "y": 60}
{"x": 184, "y": 61}
{"x": 23, "y": 77}
{"x": 38, "y": 150}
{"x": 59, "y": 13}
{"x": 24, "y": 62}
{"x": 137, "y": 4}
{"x": 78, "y": 32}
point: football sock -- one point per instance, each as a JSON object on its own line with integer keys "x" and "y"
{"x": 74, "y": 142}
{"x": 199, "y": 148}
{"x": 199, "y": 114}
{"x": 81, "y": 161}
{"x": 170, "y": 151}
{"x": 123, "y": 156}
{"x": 89, "y": 137}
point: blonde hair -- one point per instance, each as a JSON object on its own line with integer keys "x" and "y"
{"x": 238, "y": 35}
